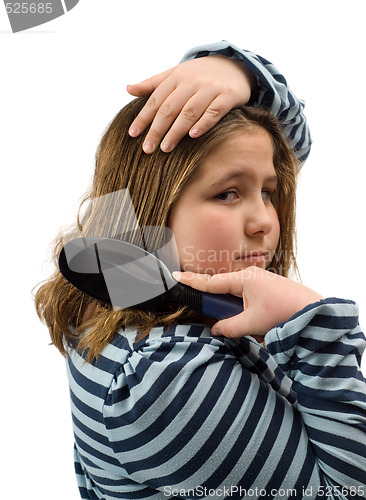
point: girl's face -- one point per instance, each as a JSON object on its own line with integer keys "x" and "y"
{"x": 224, "y": 220}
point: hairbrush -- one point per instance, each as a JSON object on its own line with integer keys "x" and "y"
{"x": 127, "y": 276}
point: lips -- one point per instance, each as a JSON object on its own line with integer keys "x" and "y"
{"x": 255, "y": 256}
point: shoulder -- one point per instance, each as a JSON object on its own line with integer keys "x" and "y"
{"x": 162, "y": 349}
{"x": 169, "y": 358}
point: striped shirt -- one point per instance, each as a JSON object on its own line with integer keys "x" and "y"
{"x": 273, "y": 94}
{"x": 183, "y": 414}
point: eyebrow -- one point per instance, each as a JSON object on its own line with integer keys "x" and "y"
{"x": 235, "y": 174}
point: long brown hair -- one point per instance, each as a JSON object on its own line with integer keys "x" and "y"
{"x": 154, "y": 183}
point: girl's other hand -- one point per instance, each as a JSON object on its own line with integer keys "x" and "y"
{"x": 269, "y": 299}
{"x": 191, "y": 97}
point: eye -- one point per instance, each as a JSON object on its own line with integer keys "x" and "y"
{"x": 227, "y": 196}
{"x": 267, "y": 194}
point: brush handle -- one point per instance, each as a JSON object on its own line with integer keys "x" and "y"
{"x": 221, "y": 306}
{"x": 218, "y": 306}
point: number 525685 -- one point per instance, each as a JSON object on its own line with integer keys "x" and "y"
{"x": 28, "y": 8}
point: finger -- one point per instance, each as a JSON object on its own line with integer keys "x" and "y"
{"x": 167, "y": 113}
{"x": 218, "y": 283}
{"x": 191, "y": 111}
{"x": 148, "y": 112}
{"x": 147, "y": 87}
{"x": 216, "y": 109}
{"x": 245, "y": 323}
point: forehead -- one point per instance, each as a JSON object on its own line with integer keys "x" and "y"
{"x": 244, "y": 150}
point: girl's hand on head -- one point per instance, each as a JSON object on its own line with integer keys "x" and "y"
{"x": 191, "y": 97}
{"x": 269, "y": 299}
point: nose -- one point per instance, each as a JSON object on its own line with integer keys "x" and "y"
{"x": 258, "y": 218}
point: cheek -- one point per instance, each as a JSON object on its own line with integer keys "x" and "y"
{"x": 200, "y": 238}
{"x": 276, "y": 226}
{"x": 275, "y": 233}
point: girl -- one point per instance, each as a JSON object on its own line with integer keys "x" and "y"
{"x": 161, "y": 407}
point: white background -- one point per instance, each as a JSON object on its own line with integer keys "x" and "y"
{"x": 60, "y": 85}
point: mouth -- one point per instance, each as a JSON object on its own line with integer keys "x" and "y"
{"x": 254, "y": 257}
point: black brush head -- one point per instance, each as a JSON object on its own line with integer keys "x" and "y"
{"x": 116, "y": 272}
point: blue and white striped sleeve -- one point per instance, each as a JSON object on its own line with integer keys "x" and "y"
{"x": 187, "y": 414}
{"x": 274, "y": 93}
{"x": 320, "y": 349}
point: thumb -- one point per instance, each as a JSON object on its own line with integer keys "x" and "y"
{"x": 147, "y": 87}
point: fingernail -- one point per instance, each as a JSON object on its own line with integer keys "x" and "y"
{"x": 133, "y": 132}
{"x": 148, "y": 147}
{"x": 216, "y": 332}
{"x": 193, "y": 132}
{"x": 176, "y": 275}
{"x": 167, "y": 147}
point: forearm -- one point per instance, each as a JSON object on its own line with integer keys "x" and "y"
{"x": 320, "y": 349}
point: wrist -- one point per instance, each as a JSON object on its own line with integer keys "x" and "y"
{"x": 252, "y": 79}
{"x": 249, "y": 77}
